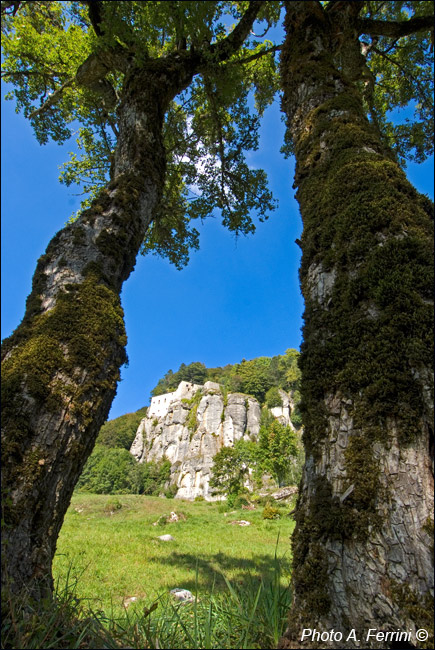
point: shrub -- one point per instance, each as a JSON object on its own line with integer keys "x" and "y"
{"x": 115, "y": 471}
{"x": 171, "y": 491}
{"x": 107, "y": 471}
{"x": 112, "y": 506}
{"x": 161, "y": 521}
{"x": 240, "y": 501}
{"x": 270, "y": 512}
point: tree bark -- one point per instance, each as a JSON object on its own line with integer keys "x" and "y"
{"x": 61, "y": 365}
{"x": 362, "y": 548}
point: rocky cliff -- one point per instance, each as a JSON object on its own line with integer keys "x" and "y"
{"x": 190, "y": 425}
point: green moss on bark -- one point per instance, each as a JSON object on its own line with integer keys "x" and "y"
{"x": 63, "y": 362}
{"x": 419, "y": 609}
{"x": 365, "y": 221}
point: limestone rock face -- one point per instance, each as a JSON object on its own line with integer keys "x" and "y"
{"x": 283, "y": 413}
{"x": 189, "y": 429}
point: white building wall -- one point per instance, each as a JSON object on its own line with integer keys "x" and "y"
{"x": 159, "y": 405}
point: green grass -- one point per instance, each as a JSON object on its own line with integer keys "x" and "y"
{"x": 238, "y": 575}
{"x": 118, "y": 556}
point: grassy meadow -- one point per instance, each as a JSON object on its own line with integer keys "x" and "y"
{"x": 115, "y": 554}
{"x": 113, "y": 577}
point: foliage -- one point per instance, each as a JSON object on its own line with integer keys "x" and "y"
{"x": 273, "y": 398}
{"x": 241, "y": 500}
{"x": 278, "y": 446}
{"x": 67, "y": 62}
{"x": 229, "y": 471}
{"x": 402, "y": 70}
{"x": 151, "y": 477}
{"x": 296, "y": 416}
{"x": 121, "y": 431}
{"x": 115, "y": 471}
{"x": 107, "y": 471}
{"x": 112, "y": 505}
{"x": 393, "y": 73}
{"x": 194, "y": 372}
{"x": 254, "y": 377}
{"x": 271, "y": 512}
{"x": 277, "y": 453}
{"x": 171, "y": 491}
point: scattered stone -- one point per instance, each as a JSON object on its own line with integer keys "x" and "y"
{"x": 170, "y": 519}
{"x": 183, "y": 595}
{"x": 175, "y": 516}
{"x": 285, "y": 493}
{"x": 79, "y": 510}
{"x": 166, "y": 538}
{"x": 241, "y": 522}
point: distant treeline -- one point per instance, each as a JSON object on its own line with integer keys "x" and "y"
{"x": 255, "y": 377}
{"x": 111, "y": 469}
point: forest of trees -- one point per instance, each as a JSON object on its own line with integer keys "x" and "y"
{"x": 162, "y": 93}
{"x": 257, "y": 377}
{"x": 111, "y": 469}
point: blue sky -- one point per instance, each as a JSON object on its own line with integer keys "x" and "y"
{"x": 235, "y": 299}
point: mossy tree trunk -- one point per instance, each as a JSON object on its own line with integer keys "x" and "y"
{"x": 362, "y": 545}
{"x": 61, "y": 365}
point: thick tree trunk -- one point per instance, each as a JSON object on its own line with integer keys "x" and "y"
{"x": 61, "y": 365}
{"x": 362, "y": 548}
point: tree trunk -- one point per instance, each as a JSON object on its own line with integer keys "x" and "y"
{"x": 61, "y": 365}
{"x": 362, "y": 548}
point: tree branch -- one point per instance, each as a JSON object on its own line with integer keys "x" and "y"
{"x": 5, "y": 6}
{"x": 225, "y": 48}
{"x": 258, "y": 55}
{"x": 95, "y": 15}
{"x": 51, "y": 99}
{"x": 394, "y": 28}
{"x": 90, "y": 73}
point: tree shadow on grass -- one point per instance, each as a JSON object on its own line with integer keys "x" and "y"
{"x": 207, "y": 571}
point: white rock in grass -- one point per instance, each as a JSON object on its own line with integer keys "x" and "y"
{"x": 166, "y": 538}
{"x": 182, "y": 594}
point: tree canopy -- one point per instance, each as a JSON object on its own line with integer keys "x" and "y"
{"x": 391, "y": 63}
{"x": 254, "y": 377}
{"x": 67, "y": 62}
